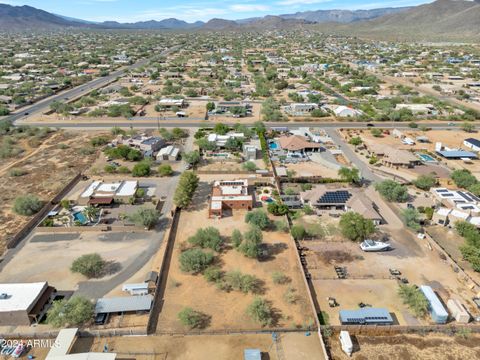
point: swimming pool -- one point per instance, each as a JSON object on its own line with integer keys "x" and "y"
{"x": 80, "y": 217}
{"x": 273, "y": 145}
{"x": 426, "y": 158}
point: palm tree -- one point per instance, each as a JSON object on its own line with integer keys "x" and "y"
{"x": 91, "y": 212}
{"x": 350, "y": 175}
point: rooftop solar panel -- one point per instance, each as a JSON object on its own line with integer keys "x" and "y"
{"x": 335, "y": 197}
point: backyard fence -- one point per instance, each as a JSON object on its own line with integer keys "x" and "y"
{"x": 381, "y": 330}
{"x": 161, "y": 285}
{"x": 38, "y": 217}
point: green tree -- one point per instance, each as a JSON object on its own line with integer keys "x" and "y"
{"x": 191, "y": 318}
{"x": 251, "y": 244}
{"x": 27, "y": 205}
{"x": 221, "y": 129}
{"x": 463, "y": 178}
{"x": 210, "y": 106}
{"x": 89, "y": 265}
{"x": 141, "y": 169}
{"x": 192, "y": 157}
{"x": 351, "y": 176}
{"x": 261, "y": 311}
{"x": 75, "y": 311}
{"x": 187, "y": 185}
{"x": 242, "y": 282}
{"x": 277, "y": 209}
{"x": 145, "y": 217}
{"x": 195, "y": 260}
{"x": 411, "y": 217}
{"x": 109, "y": 168}
{"x": 213, "y": 274}
{"x": 425, "y": 182}
{"x": 258, "y": 218}
{"x": 355, "y": 227}
{"x": 165, "y": 170}
{"x": 392, "y": 191}
{"x": 414, "y": 299}
{"x": 207, "y": 238}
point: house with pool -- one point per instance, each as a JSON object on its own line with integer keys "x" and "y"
{"x": 106, "y": 193}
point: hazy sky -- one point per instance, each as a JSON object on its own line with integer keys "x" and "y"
{"x": 191, "y": 10}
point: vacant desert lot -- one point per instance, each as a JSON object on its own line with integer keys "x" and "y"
{"x": 49, "y": 167}
{"x": 227, "y": 310}
{"x": 410, "y": 347}
{"x": 295, "y": 346}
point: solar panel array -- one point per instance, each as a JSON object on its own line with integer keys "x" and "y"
{"x": 335, "y": 197}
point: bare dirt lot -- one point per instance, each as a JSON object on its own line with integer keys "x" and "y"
{"x": 227, "y": 309}
{"x": 49, "y": 167}
{"x": 295, "y": 346}
{"x": 410, "y": 347}
{"x": 48, "y": 257}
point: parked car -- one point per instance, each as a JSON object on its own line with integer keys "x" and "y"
{"x": 18, "y": 350}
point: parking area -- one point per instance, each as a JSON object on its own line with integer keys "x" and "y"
{"x": 48, "y": 257}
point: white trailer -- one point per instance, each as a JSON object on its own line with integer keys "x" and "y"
{"x": 346, "y": 342}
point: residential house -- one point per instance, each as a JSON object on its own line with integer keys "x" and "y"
{"x": 230, "y": 195}
{"x": 298, "y": 144}
{"x": 332, "y": 198}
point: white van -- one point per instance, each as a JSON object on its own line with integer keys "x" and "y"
{"x": 346, "y": 342}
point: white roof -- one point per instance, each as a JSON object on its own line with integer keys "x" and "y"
{"x": 459, "y": 214}
{"x": 475, "y": 220}
{"x": 128, "y": 188}
{"x": 443, "y": 211}
{"x": 63, "y": 343}
{"x": 139, "y": 286}
{"x": 90, "y": 189}
{"x": 20, "y": 296}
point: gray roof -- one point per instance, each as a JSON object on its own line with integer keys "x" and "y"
{"x": 124, "y": 304}
{"x": 455, "y": 154}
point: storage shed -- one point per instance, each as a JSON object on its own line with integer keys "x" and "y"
{"x": 252, "y": 354}
{"x": 136, "y": 289}
{"x": 437, "y": 311}
{"x": 366, "y": 316}
{"x": 458, "y": 311}
{"x": 141, "y": 303}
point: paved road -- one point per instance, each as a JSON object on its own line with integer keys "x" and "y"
{"x": 192, "y": 122}
{"x": 44, "y": 105}
{"x": 350, "y": 154}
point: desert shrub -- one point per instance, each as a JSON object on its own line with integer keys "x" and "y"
{"x": 89, "y": 265}
{"x": 258, "y": 218}
{"x": 195, "y": 260}
{"x": 261, "y": 311}
{"x": 27, "y": 205}
{"x": 207, "y": 238}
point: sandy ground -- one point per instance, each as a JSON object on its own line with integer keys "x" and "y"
{"x": 410, "y": 347}
{"x": 48, "y": 169}
{"x": 47, "y": 257}
{"x": 310, "y": 168}
{"x": 295, "y": 346}
{"x": 227, "y": 310}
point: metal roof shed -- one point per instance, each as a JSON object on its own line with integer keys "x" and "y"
{"x": 252, "y": 354}
{"x": 437, "y": 311}
{"x": 124, "y": 304}
{"x": 366, "y": 316}
{"x": 457, "y": 154}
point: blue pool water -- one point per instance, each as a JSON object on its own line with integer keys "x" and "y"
{"x": 273, "y": 146}
{"x": 78, "y": 216}
{"x": 426, "y": 158}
